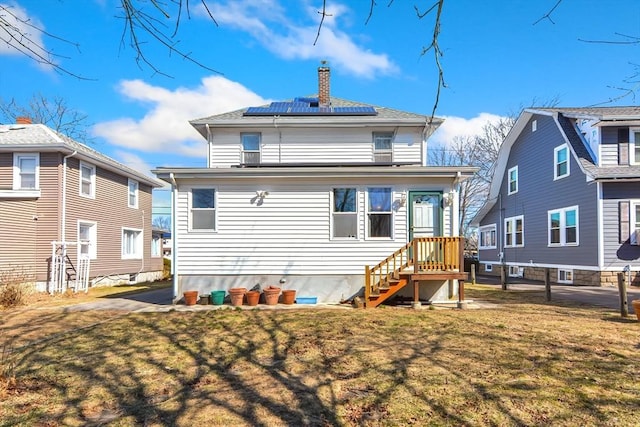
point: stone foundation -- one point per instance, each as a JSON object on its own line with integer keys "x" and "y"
{"x": 580, "y": 277}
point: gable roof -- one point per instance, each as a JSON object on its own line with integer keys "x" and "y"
{"x": 38, "y": 137}
{"x": 606, "y": 116}
{"x": 383, "y": 116}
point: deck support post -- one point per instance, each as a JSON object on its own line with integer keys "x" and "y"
{"x": 416, "y": 295}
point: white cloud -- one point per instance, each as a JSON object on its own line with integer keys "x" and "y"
{"x": 461, "y": 127}
{"x": 165, "y": 127}
{"x": 266, "y": 22}
{"x": 21, "y": 33}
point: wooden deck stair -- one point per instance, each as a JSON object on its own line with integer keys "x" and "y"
{"x": 424, "y": 258}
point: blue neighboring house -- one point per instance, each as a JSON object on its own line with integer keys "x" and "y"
{"x": 565, "y": 195}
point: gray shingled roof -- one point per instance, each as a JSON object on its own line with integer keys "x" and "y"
{"x": 39, "y": 137}
{"x": 383, "y": 113}
{"x": 620, "y": 114}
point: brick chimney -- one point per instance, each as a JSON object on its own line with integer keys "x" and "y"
{"x": 23, "y": 120}
{"x": 324, "y": 90}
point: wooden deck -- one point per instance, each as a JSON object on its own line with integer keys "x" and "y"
{"x": 423, "y": 259}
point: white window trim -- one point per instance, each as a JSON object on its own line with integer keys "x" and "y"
{"x": 139, "y": 251}
{"x": 215, "y": 209}
{"x": 563, "y": 227}
{"x": 515, "y": 271}
{"x": 136, "y": 193}
{"x": 243, "y": 151}
{"x": 356, "y": 213}
{"x": 634, "y": 232}
{"x": 92, "y": 194}
{"x": 534, "y": 126}
{"x": 632, "y": 146}
{"x": 513, "y": 219}
{"x": 366, "y": 213}
{"x": 488, "y": 267}
{"x": 93, "y": 240}
{"x": 154, "y": 238}
{"x": 16, "y": 171}
{"x": 565, "y": 280}
{"x": 509, "y": 192}
{"x": 484, "y": 228}
{"x": 555, "y": 162}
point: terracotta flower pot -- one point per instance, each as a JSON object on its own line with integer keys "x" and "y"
{"x": 271, "y": 294}
{"x": 237, "y": 295}
{"x": 636, "y": 307}
{"x": 190, "y": 297}
{"x": 288, "y": 296}
{"x": 253, "y": 297}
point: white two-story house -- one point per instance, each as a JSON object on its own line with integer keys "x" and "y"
{"x": 320, "y": 195}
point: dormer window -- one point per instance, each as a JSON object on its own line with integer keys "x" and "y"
{"x": 250, "y": 148}
{"x": 382, "y": 147}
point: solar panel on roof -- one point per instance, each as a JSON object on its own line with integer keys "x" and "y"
{"x": 306, "y": 100}
{"x": 300, "y": 107}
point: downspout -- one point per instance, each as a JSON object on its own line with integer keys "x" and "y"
{"x": 174, "y": 235}
{"x": 208, "y": 147}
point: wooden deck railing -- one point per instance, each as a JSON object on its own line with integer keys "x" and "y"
{"x": 423, "y": 254}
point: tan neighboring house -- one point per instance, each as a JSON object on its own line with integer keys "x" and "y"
{"x": 69, "y": 212}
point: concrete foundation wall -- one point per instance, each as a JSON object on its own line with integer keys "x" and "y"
{"x": 580, "y": 277}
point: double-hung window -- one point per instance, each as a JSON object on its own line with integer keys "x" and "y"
{"x": 250, "y": 148}
{"x": 488, "y": 237}
{"x": 634, "y": 147}
{"x": 382, "y": 147}
{"x": 345, "y": 213}
{"x": 133, "y": 194}
{"x": 514, "y": 231}
{"x": 156, "y": 245}
{"x": 203, "y": 209}
{"x": 379, "y": 212}
{"x": 131, "y": 243}
{"x": 635, "y": 224}
{"x": 87, "y": 180}
{"x": 87, "y": 239}
{"x": 563, "y": 227}
{"x": 513, "y": 180}
{"x": 26, "y": 168}
{"x": 560, "y": 161}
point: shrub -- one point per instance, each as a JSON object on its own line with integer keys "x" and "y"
{"x": 14, "y": 286}
{"x": 166, "y": 268}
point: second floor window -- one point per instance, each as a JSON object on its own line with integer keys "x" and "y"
{"x": 380, "y": 215}
{"x": 87, "y": 180}
{"x": 561, "y": 162}
{"x": 513, "y": 180}
{"x": 635, "y": 224}
{"x": 133, "y": 194}
{"x": 634, "y": 147}
{"x": 382, "y": 147}
{"x": 345, "y": 213}
{"x": 25, "y": 171}
{"x": 563, "y": 227}
{"x": 514, "y": 231}
{"x": 250, "y": 148}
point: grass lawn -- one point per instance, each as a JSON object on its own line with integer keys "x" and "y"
{"x": 523, "y": 363}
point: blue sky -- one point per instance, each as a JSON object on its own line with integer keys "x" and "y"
{"x": 495, "y": 61}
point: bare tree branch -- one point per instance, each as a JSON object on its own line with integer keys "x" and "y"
{"x": 324, "y": 14}
{"x": 548, "y": 14}
{"x": 55, "y": 113}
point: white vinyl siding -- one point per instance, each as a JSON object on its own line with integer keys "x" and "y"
{"x": 512, "y": 180}
{"x": 514, "y": 232}
{"x": 561, "y": 161}
{"x": 132, "y": 247}
{"x": 563, "y": 227}
{"x": 132, "y": 194}
{"x": 487, "y": 237}
{"x": 289, "y": 232}
{"x": 26, "y": 171}
{"x": 87, "y": 180}
{"x": 333, "y": 146}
